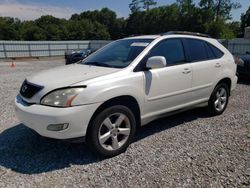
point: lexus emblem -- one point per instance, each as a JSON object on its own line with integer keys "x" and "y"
{"x": 24, "y": 88}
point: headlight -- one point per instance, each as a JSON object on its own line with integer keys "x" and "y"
{"x": 62, "y": 97}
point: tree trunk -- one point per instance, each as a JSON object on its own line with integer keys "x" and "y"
{"x": 218, "y": 8}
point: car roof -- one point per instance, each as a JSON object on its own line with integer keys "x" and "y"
{"x": 144, "y": 37}
{"x": 172, "y": 34}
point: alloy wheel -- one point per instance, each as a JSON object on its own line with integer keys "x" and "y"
{"x": 220, "y": 99}
{"x": 114, "y": 131}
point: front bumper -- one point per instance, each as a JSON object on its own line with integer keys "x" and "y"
{"x": 38, "y": 117}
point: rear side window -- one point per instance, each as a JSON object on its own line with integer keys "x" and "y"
{"x": 197, "y": 50}
{"x": 217, "y": 53}
{"x": 210, "y": 53}
{"x": 171, "y": 49}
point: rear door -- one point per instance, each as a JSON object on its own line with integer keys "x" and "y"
{"x": 206, "y": 66}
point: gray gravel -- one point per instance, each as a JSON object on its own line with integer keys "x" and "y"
{"x": 185, "y": 150}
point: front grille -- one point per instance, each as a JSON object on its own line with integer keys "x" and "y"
{"x": 28, "y": 90}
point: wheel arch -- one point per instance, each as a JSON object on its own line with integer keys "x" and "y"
{"x": 125, "y": 100}
{"x": 227, "y": 81}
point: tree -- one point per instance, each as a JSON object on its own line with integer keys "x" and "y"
{"x": 189, "y": 15}
{"x": 215, "y": 16}
{"x": 155, "y": 21}
{"x": 134, "y": 6}
{"x": 219, "y": 30}
{"x": 209, "y": 16}
{"x": 245, "y": 19}
{"x": 9, "y": 28}
{"x": 219, "y": 9}
{"x": 148, "y": 3}
{"x": 54, "y": 28}
{"x": 30, "y": 31}
{"x": 224, "y": 7}
{"x": 85, "y": 29}
{"x": 207, "y": 11}
{"x": 136, "y": 23}
{"x": 137, "y": 5}
{"x": 107, "y": 18}
{"x": 234, "y": 26}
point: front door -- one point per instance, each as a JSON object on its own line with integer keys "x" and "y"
{"x": 168, "y": 88}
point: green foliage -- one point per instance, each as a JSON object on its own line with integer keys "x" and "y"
{"x": 224, "y": 8}
{"x": 30, "y": 31}
{"x": 137, "y": 5}
{"x": 245, "y": 19}
{"x": 235, "y": 28}
{"x": 148, "y": 3}
{"x": 209, "y": 16}
{"x": 154, "y": 21}
{"x": 9, "y": 28}
{"x": 113, "y": 25}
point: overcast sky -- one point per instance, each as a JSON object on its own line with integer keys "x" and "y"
{"x": 32, "y": 9}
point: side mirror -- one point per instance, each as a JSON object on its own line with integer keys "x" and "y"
{"x": 156, "y": 62}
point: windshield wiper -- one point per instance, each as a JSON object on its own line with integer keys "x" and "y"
{"x": 98, "y": 64}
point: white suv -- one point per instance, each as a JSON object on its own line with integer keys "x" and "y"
{"x": 127, "y": 84}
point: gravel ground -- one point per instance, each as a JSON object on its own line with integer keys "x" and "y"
{"x": 186, "y": 150}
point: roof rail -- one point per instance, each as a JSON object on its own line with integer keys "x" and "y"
{"x": 186, "y": 33}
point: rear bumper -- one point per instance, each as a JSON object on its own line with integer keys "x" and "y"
{"x": 38, "y": 117}
{"x": 234, "y": 83}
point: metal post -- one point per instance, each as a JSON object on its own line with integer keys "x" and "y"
{"x": 89, "y": 45}
{"x": 4, "y": 50}
{"x": 29, "y": 50}
{"x": 49, "y": 49}
{"x": 233, "y": 48}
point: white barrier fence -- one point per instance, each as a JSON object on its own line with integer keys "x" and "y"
{"x": 17, "y": 49}
{"x": 237, "y": 46}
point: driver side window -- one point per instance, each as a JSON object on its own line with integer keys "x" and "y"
{"x": 171, "y": 49}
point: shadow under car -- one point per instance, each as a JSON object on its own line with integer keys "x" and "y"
{"x": 24, "y": 151}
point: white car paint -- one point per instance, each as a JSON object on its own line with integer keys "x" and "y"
{"x": 156, "y": 91}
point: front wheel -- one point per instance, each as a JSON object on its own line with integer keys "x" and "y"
{"x": 111, "y": 131}
{"x": 219, "y": 99}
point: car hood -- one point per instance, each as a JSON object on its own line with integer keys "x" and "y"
{"x": 67, "y": 75}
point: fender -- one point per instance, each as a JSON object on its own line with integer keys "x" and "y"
{"x": 102, "y": 91}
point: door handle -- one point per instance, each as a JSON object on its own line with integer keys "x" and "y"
{"x": 217, "y": 65}
{"x": 186, "y": 71}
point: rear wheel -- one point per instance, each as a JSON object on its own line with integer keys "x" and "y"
{"x": 111, "y": 131}
{"x": 219, "y": 99}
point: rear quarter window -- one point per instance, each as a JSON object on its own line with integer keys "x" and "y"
{"x": 217, "y": 52}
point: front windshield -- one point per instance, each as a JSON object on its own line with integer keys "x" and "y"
{"x": 118, "y": 54}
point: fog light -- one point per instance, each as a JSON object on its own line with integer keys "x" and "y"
{"x": 57, "y": 127}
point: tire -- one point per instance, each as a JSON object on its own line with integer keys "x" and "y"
{"x": 111, "y": 131}
{"x": 67, "y": 62}
{"x": 218, "y": 100}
